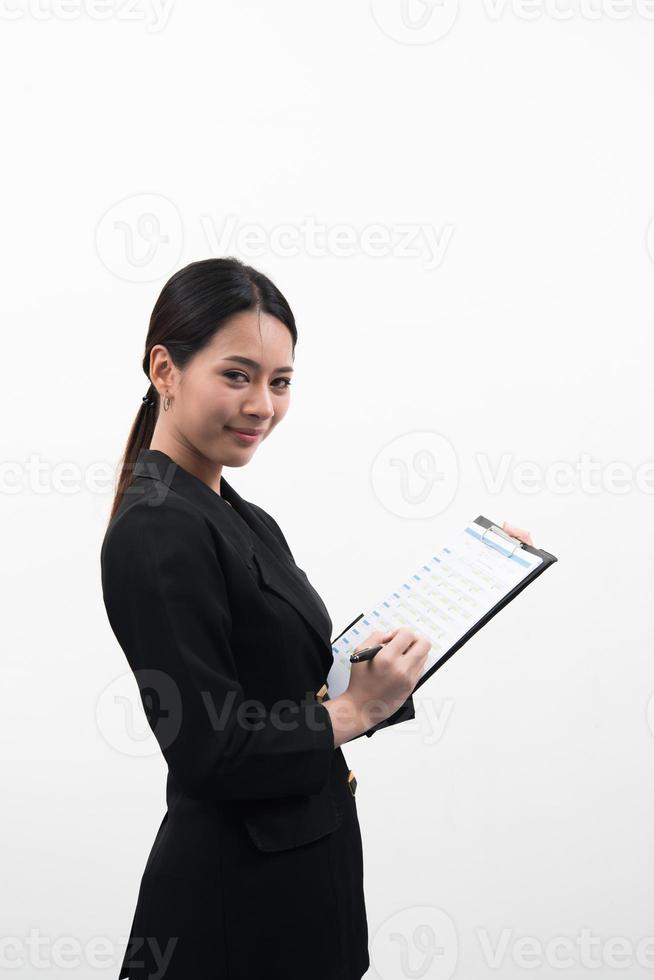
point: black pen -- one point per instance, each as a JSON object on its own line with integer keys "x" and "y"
{"x": 366, "y": 654}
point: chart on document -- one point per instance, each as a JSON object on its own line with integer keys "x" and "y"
{"x": 442, "y": 599}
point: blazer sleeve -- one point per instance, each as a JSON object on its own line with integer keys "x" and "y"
{"x": 407, "y": 710}
{"x": 166, "y": 599}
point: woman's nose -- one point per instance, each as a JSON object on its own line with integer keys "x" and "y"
{"x": 259, "y": 403}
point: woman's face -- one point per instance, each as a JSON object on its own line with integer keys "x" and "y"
{"x": 240, "y": 380}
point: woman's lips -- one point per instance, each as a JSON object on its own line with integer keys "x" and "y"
{"x": 243, "y": 437}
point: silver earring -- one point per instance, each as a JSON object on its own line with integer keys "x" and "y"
{"x": 166, "y": 402}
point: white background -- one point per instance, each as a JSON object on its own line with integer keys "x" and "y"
{"x": 520, "y": 802}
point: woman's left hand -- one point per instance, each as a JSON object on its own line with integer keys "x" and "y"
{"x": 517, "y": 532}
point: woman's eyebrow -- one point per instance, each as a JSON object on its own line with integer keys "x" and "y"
{"x": 251, "y": 363}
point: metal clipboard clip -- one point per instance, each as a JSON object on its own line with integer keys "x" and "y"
{"x": 502, "y": 534}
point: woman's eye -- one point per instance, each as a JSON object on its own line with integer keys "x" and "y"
{"x": 238, "y": 375}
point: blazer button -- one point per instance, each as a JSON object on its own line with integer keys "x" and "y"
{"x": 322, "y": 694}
{"x": 352, "y": 783}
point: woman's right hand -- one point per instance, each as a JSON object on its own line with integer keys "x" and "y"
{"x": 379, "y": 686}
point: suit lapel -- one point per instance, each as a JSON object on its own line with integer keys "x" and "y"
{"x": 277, "y": 569}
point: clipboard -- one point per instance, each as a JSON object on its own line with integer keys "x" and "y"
{"x": 493, "y": 537}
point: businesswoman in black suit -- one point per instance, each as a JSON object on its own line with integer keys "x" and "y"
{"x": 256, "y": 870}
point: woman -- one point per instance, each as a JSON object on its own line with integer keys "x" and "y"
{"x": 256, "y": 870}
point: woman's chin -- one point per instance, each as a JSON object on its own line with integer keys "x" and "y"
{"x": 238, "y": 455}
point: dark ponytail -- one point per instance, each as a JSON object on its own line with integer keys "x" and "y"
{"x": 191, "y": 307}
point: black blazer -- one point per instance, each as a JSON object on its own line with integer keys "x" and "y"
{"x": 229, "y": 643}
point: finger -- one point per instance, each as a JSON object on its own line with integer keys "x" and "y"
{"x": 518, "y": 532}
